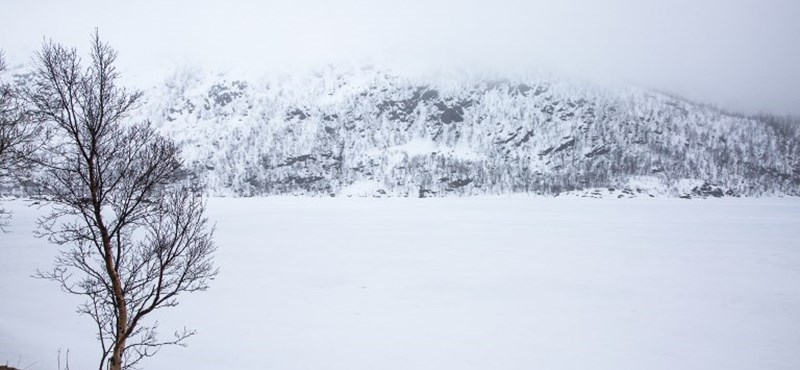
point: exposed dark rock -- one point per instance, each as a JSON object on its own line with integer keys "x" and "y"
{"x": 451, "y": 115}
{"x": 509, "y": 137}
{"x": 223, "y": 95}
{"x": 429, "y": 95}
{"x": 300, "y": 158}
{"x": 546, "y": 151}
{"x": 425, "y": 193}
{"x": 302, "y": 180}
{"x": 520, "y": 89}
{"x": 526, "y": 138}
{"x": 707, "y": 189}
{"x": 459, "y": 183}
{"x": 331, "y": 155}
{"x": 566, "y": 143}
{"x": 296, "y": 113}
{"x": 598, "y": 150}
{"x": 402, "y": 110}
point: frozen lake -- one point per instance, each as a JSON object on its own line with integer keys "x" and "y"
{"x": 457, "y": 284}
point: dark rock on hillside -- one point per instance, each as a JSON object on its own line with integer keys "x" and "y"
{"x": 708, "y": 190}
{"x": 566, "y": 143}
{"x": 425, "y": 193}
{"x": 598, "y": 150}
{"x": 296, "y": 113}
{"x": 298, "y": 159}
{"x": 223, "y": 94}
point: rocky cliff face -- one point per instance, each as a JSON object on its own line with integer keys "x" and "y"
{"x": 371, "y": 132}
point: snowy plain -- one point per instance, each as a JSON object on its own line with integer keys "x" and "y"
{"x": 496, "y": 283}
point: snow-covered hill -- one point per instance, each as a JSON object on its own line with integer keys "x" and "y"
{"x": 367, "y": 131}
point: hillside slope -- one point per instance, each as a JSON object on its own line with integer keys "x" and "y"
{"x": 371, "y": 132}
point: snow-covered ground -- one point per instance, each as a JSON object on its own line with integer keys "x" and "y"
{"x": 457, "y": 283}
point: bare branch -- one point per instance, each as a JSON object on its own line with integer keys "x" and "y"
{"x": 18, "y": 134}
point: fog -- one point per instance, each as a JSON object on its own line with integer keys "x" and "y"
{"x": 740, "y": 54}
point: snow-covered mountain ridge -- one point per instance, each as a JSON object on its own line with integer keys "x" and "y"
{"x": 366, "y": 131}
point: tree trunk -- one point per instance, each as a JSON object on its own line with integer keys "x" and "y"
{"x": 111, "y": 269}
{"x": 119, "y": 300}
{"x": 116, "y": 357}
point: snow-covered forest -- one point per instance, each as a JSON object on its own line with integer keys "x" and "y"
{"x": 371, "y": 132}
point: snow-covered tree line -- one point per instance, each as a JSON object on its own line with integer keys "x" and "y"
{"x": 370, "y": 132}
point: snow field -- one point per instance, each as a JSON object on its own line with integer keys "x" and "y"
{"x": 457, "y": 283}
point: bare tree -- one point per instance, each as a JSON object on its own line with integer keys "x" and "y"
{"x": 17, "y": 133}
{"x": 133, "y": 238}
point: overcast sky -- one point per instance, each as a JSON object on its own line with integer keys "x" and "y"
{"x": 741, "y": 54}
